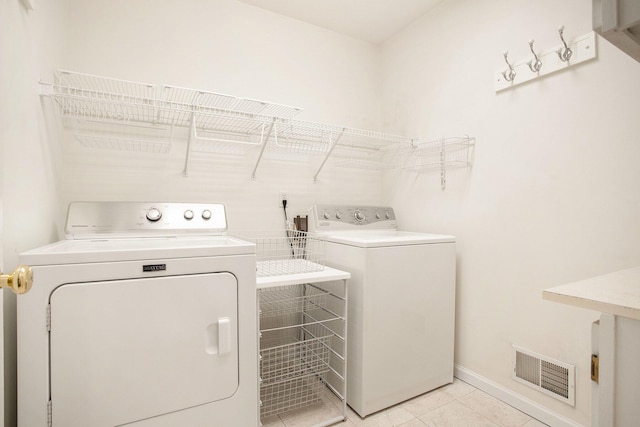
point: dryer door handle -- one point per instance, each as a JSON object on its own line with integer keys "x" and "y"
{"x": 224, "y": 335}
{"x": 218, "y": 337}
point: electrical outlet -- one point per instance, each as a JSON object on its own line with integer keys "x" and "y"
{"x": 283, "y": 196}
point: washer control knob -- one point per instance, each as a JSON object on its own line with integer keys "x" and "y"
{"x": 338, "y": 215}
{"x": 154, "y": 214}
{"x": 326, "y": 215}
{"x": 359, "y": 216}
{"x": 377, "y": 215}
{"x": 387, "y": 216}
{"x": 188, "y": 215}
{"x": 206, "y": 214}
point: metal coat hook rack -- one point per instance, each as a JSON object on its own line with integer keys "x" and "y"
{"x": 568, "y": 54}
{"x": 510, "y": 74}
{"x": 535, "y": 64}
{"x": 564, "y": 53}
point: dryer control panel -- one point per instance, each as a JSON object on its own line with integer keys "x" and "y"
{"x": 351, "y": 217}
{"x": 89, "y": 220}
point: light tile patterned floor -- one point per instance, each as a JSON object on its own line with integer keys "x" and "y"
{"x": 454, "y": 405}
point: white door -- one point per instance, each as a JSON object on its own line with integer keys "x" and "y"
{"x": 1, "y": 307}
{"x": 127, "y": 350}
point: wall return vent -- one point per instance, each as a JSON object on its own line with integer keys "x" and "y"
{"x": 549, "y": 376}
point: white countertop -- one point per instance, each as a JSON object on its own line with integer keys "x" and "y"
{"x": 615, "y": 293}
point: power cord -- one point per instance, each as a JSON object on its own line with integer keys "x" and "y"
{"x": 286, "y": 227}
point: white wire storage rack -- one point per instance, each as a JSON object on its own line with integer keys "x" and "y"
{"x": 123, "y": 115}
{"x": 302, "y": 309}
{"x": 443, "y": 154}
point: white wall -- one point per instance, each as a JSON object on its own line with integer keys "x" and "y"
{"x": 228, "y": 47}
{"x": 553, "y": 193}
{"x": 550, "y": 199}
{"x": 30, "y": 45}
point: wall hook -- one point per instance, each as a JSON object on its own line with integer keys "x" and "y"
{"x": 564, "y": 53}
{"x": 511, "y": 74}
{"x": 535, "y": 64}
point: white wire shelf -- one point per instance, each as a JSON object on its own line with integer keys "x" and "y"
{"x": 298, "y": 140}
{"x": 89, "y": 96}
{"x": 219, "y": 123}
{"x": 224, "y": 124}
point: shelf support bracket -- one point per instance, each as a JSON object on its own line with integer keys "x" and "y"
{"x": 192, "y": 132}
{"x": 264, "y": 145}
{"x": 333, "y": 145}
{"x": 45, "y": 89}
{"x": 443, "y": 167}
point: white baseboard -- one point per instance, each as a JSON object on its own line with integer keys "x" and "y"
{"x": 529, "y": 407}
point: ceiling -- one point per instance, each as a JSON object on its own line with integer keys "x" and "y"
{"x": 369, "y": 20}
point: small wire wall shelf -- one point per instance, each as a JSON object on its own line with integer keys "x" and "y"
{"x": 296, "y": 346}
{"x": 444, "y": 155}
{"x": 447, "y": 153}
{"x": 287, "y": 252}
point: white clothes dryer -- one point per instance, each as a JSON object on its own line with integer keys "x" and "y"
{"x": 401, "y": 303}
{"x": 144, "y": 316}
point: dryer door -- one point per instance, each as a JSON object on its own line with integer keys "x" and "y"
{"x": 126, "y": 350}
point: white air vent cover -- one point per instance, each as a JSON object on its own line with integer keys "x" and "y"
{"x": 551, "y": 377}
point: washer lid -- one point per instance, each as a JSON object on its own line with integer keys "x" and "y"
{"x": 385, "y": 238}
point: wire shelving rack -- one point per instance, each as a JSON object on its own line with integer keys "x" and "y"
{"x": 123, "y": 115}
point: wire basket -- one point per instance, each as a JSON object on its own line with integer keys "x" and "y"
{"x": 293, "y": 366}
{"x": 280, "y": 304}
{"x": 291, "y": 395}
{"x": 291, "y": 253}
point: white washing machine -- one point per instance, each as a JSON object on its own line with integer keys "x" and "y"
{"x": 145, "y": 316}
{"x": 401, "y": 303}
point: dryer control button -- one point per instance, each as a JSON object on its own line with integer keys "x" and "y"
{"x": 338, "y": 215}
{"x": 154, "y": 214}
{"x": 326, "y": 215}
{"x": 206, "y": 214}
{"x": 359, "y": 216}
{"x": 188, "y": 214}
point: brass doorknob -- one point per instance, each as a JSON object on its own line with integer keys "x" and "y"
{"x": 19, "y": 281}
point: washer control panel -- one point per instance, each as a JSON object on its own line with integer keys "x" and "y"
{"x": 93, "y": 219}
{"x": 344, "y": 217}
